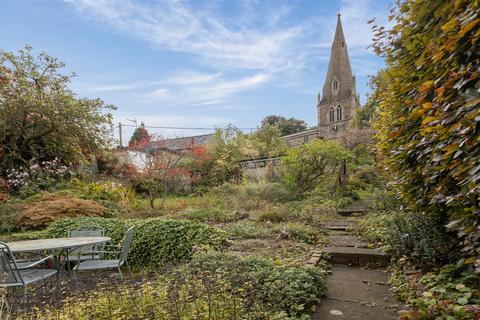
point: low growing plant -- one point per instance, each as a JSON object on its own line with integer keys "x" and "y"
{"x": 299, "y": 232}
{"x": 419, "y": 238}
{"x": 453, "y": 292}
{"x": 156, "y": 241}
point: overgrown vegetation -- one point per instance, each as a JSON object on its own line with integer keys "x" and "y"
{"x": 427, "y": 101}
{"x": 213, "y": 286}
{"x": 156, "y": 241}
{"x": 306, "y": 164}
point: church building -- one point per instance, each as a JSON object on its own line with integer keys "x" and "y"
{"x": 339, "y": 98}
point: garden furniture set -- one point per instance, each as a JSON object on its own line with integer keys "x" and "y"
{"x": 84, "y": 247}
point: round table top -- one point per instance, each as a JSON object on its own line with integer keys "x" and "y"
{"x": 54, "y": 244}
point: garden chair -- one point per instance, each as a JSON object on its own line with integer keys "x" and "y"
{"x": 11, "y": 275}
{"x": 121, "y": 254}
{"x": 34, "y": 260}
{"x": 86, "y": 252}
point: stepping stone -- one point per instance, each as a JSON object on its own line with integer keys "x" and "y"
{"x": 356, "y": 256}
{"x": 355, "y": 293}
{"x": 346, "y": 241}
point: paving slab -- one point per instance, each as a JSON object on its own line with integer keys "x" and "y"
{"x": 352, "y": 311}
{"x": 355, "y": 293}
{"x": 364, "y": 286}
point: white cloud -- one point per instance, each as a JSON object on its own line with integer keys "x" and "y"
{"x": 190, "y": 77}
{"x": 204, "y": 89}
{"x": 160, "y": 93}
{"x": 100, "y": 88}
{"x": 174, "y": 26}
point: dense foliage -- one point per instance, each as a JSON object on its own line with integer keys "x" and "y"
{"x": 41, "y": 118}
{"x": 265, "y": 143}
{"x": 306, "y": 164}
{"x": 286, "y": 126}
{"x": 429, "y": 110}
{"x": 156, "y": 241}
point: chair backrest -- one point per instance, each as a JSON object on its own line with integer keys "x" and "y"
{"x": 9, "y": 274}
{"x": 127, "y": 242}
{"x": 87, "y": 232}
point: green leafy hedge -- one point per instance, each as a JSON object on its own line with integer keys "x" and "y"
{"x": 429, "y": 110}
{"x": 156, "y": 241}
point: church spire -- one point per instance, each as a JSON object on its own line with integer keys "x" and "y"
{"x": 339, "y": 83}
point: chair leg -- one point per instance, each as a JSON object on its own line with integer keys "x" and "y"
{"x": 75, "y": 277}
{"x": 24, "y": 299}
{"x": 120, "y": 272}
{"x": 128, "y": 267}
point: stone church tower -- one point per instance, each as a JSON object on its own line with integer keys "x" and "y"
{"x": 339, "y": 97}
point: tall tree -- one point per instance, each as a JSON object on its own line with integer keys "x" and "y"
{"x": 286, "y": 126}
{"x": 429, "y": 110}
{"x": 41, "y": 118}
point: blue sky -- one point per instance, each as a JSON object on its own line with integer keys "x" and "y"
{"x": 197, "y": 63}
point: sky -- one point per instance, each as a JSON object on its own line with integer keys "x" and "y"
{"x": 197, "y": 63}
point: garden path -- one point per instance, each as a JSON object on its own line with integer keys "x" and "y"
{"x": 356, "y": 291}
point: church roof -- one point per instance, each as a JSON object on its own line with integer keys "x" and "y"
{"x": 339, "y": 70}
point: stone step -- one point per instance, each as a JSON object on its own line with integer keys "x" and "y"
{"x": 356, "y": 256}
{"x": 344, "y": 225}
{"x": 339, "y": 228}
{"x": 346, "y": 240}
{"x": 351, "y": 211}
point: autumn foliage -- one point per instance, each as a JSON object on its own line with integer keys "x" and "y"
{"x": 429, "y": 111}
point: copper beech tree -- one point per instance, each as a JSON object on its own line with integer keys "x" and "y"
{"x": 429, "y": 111}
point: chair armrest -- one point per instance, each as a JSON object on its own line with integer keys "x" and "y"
{"x": 105, "y": 251}
{"x": 36, "y": 263}
{"x": 112, "y": 246}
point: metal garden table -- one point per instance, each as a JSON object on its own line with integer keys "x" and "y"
{"x": 56, "y": 246}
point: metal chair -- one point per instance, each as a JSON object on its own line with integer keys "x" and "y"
{"x": 101, "y": 264}
{"x": 86, "y": 252}
{"x": 11, "y": 275}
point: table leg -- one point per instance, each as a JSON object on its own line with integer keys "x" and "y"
{"x": 67, "y": 259}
